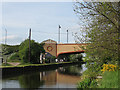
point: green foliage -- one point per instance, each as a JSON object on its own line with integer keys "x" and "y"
{"x": 93, "y": 70}
{"x": 76, "y": 57}
{"x": 50, "y": 59}
{"x": 65, "y": 57}
{"x": 110, "y": 80}
{"x": 14, "y": 56}
{"x": 3, "y": 64}
{"x": 53, "y": 59}
{"x": 9, "y": 49}
{"x": 47, "y": 60}
{"x": 71, "y": 70}
{"x": 87, "y": 83}
{"x": 93, "y": 84}
{"x": 36, "y": 49}
{"x": 101, "y": 30}
{"x": 30, "y": 80}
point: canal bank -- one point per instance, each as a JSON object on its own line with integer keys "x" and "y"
{"x": 21, "y": 69}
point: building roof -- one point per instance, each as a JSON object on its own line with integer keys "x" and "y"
{"x": 49, "y": 41}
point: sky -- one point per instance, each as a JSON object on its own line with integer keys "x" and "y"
{"x": 43, "y": 18}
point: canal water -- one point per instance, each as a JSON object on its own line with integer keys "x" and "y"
{"x": 63, "y": 77}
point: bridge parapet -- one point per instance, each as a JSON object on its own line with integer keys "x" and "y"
{"x": 56, "y": 49}
{"x": 70, "y": 48}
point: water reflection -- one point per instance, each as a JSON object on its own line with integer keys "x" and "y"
{"x": 71, "y": 70}
{"x": 59, "y": 78}
{"x": 30, "y": 81}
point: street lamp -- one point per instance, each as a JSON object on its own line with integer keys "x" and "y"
{"x": 67, "y": 36}
{"x": 59, "y": 34}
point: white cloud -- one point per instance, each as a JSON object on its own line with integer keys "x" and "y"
{"x": 12, "y": 39}
{"x": 9, "y": 37}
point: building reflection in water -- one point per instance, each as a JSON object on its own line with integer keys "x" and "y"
{"x": 68, "y": 75}
{"x": 62, "y": 76}
{"x": 56, "y": 77}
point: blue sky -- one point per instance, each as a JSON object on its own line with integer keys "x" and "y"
{"x": 42, "y": 17}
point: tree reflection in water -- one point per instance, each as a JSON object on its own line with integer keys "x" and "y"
{"x": 71, "y": 70}
{"x": 63, "y": 76}
{"x": 30, "y": 80}
{"x": 38, "y": 79}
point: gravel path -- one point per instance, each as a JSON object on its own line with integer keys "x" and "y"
{"x": 14, "y": 63}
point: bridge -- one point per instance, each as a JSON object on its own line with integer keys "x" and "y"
{"x": 55, "y": 49}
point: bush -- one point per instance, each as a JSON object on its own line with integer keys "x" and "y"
{"x": 47, "y": 60}
{"x": 87, "y": 83}
{"x": 14, "y": 56}
{"x": 9, "y": 49}
{"x": 53, "y": 59}
{"x": 50, "y": 59}
{"x": 84, "y": 84}
{"x": 93, "y": 69}
{"x": 76, "y": 57}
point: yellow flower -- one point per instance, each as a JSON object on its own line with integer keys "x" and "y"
{"x": 108, "y": 67}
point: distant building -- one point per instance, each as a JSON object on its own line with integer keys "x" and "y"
{"x": 50, "y": 47}
{"x": 49, "y": 41}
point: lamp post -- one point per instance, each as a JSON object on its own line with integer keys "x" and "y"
{"x": 5, "y": 36}
{"x": 67, "y": 36}
{"x": 59, "y": 34}
{"x": 5, "y": 45}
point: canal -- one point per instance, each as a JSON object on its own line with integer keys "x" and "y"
{"x": 62, "y": 77}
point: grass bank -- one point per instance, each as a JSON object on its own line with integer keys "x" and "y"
{"x": 28, "y": 64}
{"x": 30, "y": 68}
{"x": 109, "y": 80}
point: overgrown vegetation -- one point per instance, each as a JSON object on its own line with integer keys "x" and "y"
{"x": 76, "y": 57}
{"x": 50, "y": 59}
{"x": 9, "y": 49}
{"x": 19, "y": 53}
{"x": 71, "y": 57}
{"x": 87, "y": 83}
{"x": 101, "y": 30}
{"x": 14, "y": 57}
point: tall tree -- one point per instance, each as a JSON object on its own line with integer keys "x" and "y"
{"x": 101, "y": 23}
{"x": 36, "y": 49}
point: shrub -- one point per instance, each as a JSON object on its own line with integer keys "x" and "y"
{"x": 87, "y": 83}
{"x": 14, "y": 56}
{"x": 76, "y": 57}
